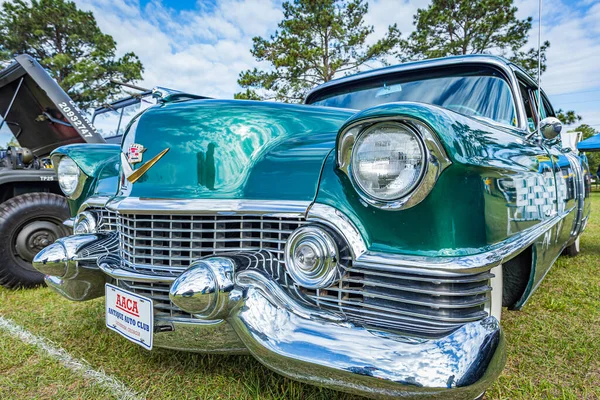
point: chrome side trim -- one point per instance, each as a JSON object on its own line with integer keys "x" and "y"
{"x": 275, "y": 208}
{"x": 439, "y": 265}
{"x": 97, "y": 201}
{"x": 436, "y": 157}
{"x": 577, "y": 228}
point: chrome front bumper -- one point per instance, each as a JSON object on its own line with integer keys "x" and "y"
{"x": 240, "y": 309}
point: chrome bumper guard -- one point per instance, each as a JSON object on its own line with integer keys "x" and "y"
{"x": 239, "y": 306}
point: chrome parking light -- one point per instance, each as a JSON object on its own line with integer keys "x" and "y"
{"x": 311, "y": 257}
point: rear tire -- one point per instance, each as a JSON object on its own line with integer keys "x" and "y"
{"x": 28, "y": 223}
{"x": 573, "y": 249}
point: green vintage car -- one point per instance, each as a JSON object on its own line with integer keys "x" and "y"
{"x": 366, "y": 240}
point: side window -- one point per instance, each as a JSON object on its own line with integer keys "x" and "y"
{"x": 529, "y": 106}
{"x": 530, "y": 100}
{"x": 547, "y": 110}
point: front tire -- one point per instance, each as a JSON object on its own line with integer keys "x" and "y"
{"x": 573, "y": 249}
{"x": 28, "y": 223}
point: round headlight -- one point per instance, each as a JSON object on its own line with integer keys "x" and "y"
{"x": 311, "y": 257}
{"x": 85, "y": 222}
{"x": 388, "y": 161}
{"x": 68, "y": 175}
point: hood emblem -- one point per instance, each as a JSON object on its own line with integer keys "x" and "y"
{"x": 133, "y": 175}
{"x": 134, "y": 154}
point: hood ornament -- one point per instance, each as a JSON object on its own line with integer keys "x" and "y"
{"x": 134, "y": 157}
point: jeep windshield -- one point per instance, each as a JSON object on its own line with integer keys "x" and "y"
{"x": 112, "y": 119}
{"x": 481, "y": 93}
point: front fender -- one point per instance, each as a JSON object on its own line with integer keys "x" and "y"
{"x": 99, "y": 163}
{"x": 467, "y": 211}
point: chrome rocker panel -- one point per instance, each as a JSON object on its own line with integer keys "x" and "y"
{"x": 256, "y": 315}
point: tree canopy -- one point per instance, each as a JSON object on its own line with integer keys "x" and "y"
{"x": 316, "y": 41}
{"x": 69, "y": 44}
{"x": 568, "y": 117}
{"x": 459, "y": 27}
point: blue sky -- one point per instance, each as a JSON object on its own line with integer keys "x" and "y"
{"x": 202, "y": 46}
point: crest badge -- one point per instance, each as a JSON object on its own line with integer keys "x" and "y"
{"x": 134, "y": 153}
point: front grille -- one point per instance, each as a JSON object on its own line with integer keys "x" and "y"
{"x": 421, "y": 304}
{"x": 107, "y": 220}
{"x": 174, "y": 241}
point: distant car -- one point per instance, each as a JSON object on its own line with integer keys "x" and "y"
{"x": 364, "y": 241}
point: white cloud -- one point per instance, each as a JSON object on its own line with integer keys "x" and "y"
{"x": 571, "y": 79}
{"x": 197, "y": 52}
{"x": 203, "y": 50}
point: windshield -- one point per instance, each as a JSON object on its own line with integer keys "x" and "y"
{"x": 482, "y": 94}
{"x": 107, "y": 122}
{"x": 112, "y": 122}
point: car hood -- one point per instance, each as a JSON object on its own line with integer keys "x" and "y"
{"x": 33, "y": 99}
{"x": 232, "y": 149}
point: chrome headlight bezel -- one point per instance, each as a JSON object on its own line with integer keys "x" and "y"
{"x": 435, "y": 158}
{"x": 79, "y": 179}
{"x": 363, "y": 135}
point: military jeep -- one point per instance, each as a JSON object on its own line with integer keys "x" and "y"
{"x": 37, "y": 116}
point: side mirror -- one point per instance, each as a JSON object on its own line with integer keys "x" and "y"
{"x": 550, "y": 127}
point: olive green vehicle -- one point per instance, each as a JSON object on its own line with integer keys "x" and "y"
{"x": 37, "y": 116}
{"x": 366, "y": 240}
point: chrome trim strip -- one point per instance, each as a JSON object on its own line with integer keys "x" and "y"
{"x": 96, "y": 201}
{"x": 275, "y": 208}
{"x": 111, "y": 267}
{"x": 579, "y": 194}
{"x": 442, "y": 265}
{"x": 334, "y": 218}
{"x": 330, "y": 216}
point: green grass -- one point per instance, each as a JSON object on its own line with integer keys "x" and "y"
{"x": 27, "y": 373}
{"x": 553, "y": 347}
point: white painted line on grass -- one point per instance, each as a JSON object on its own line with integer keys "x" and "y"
{"x": 116, "y": 387}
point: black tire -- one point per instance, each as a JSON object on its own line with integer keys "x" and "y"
{"x": 28, "y": 223}
{"x": 573, "y": 249}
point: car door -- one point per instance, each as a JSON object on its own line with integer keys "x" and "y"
{"x": 543, "y": 192}
{"x": 570, "y": 188}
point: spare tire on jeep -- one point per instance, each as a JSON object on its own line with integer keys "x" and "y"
{"x": 28, "y": 223}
